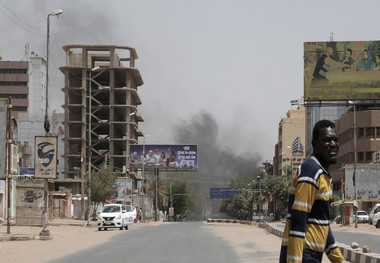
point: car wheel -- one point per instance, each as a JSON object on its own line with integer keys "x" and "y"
{"x": 99, "y": 229}
{"x": 378, "y": 224}
{"x": 126, "y": 227}
{"x": 105, "y": 229}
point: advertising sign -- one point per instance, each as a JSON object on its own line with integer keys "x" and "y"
{"x": 121, "y": 189}
{"x": 45, "y": 157}
{"x": 346, "y": 70}
{"x": 182, "y": 157}
{"x": 223, "y": 193}
{"x": 367, "y": 182}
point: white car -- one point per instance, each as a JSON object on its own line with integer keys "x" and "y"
{"x": 116, "y": 216}
{"x": 374, "y": 215}
{"x": 362, "y": 216}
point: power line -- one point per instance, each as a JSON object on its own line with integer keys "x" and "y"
{"x": 22, "y": 24}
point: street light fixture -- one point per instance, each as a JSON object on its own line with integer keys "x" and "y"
{"x": 54, "y": 13}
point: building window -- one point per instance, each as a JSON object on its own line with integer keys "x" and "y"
{"x": 370, "y": 133}
{"x": 368, "y": 157}
{"x": 378, "y": 132}
{"x": 12, "y": 71}
{"x": 19, "y": 108}
{"x": 360, "y": 133}
{"x": 360, "y": 157}
{"x": 12, "y": 83}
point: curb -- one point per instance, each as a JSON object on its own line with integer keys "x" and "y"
{"x": 350, "y": 254}
{"x": 251, "y": 223}
{"x": 24, "y": 238}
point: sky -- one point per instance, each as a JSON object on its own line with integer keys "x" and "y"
{"x": 236, "y": 64}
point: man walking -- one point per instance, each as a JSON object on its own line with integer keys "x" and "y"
{"x": 307, "y": 232}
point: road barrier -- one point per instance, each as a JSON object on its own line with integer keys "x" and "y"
{"x": 350, "y": 254}
{"x": 251, "y": 223}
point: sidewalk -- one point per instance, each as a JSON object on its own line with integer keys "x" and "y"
{"x": 23, "y": 233}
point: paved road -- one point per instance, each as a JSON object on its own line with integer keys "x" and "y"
{"x": 363, "y": 239}
{"x": 184, "y": 242}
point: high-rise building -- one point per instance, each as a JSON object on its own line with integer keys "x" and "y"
{"x": 367, "y": 143}
{"x": 14, "y": 83}
{"x": 25, "y": 83}
{"x": 101, "y": 99}
{"x": 289, "y": 150}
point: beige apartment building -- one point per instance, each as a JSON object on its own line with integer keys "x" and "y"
{"x": 367, "y": 143}
{"x": 289, "y": 150}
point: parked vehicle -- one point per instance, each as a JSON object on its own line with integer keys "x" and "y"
{"x": 362, "y": 216}
{"x": 116, "y": 216}
{"x": 374, "y": 216}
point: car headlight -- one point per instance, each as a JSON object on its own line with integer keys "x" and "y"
{"x": 118, "y": 217}
{"x": 100, "y": 218}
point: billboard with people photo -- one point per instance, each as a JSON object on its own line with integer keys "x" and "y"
{"x": 345, "y": 70}
{"x": 183, "y": 157}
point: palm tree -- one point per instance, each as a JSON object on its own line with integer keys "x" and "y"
{"x": 162, "y": 192}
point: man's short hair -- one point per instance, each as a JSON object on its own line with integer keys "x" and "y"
{"x": 349, "y": 50}
{"x": 320, "y": 125}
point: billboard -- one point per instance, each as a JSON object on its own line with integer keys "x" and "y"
{"x": 45, "y": 157}
{"x": 121, "y": 189}
{"x": 345, "y": 70}
{"x": 367, "y": 182}
{"x": 179, "y": 157}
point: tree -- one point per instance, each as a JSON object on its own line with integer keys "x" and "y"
{"x": 183, "y": 201}
{"x": 240, "y": 206}
{"x": 162, "y": 191}
{"x": 103, "y": 186}
{"x": 275, "y": 191}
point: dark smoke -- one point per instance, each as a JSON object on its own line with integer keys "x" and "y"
{"x": 217, "y": 163}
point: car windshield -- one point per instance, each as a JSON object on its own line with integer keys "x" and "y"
{"x": 362, "y": 213}
{"x": 111, "y": 209}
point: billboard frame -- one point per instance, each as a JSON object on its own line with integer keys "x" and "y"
{"x": 331, "y": 74}
{"x": 179, "y": 157}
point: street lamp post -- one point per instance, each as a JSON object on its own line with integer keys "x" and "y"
{"x": 54, "y": 13}
{"x": 127, "y": 154}
{"x": 143, "y": 176}
{"x": 355, "y": 162}
{"x": 46, "y": 123}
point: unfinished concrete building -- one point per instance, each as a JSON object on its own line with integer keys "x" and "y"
{"x": 101, "y": 99}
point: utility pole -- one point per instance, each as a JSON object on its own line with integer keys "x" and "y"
{"x": 156, "y": 212}
{"x": 9, "y": 165}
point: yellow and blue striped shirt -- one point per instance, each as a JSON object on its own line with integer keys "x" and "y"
{"x": 307, "y": 231}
